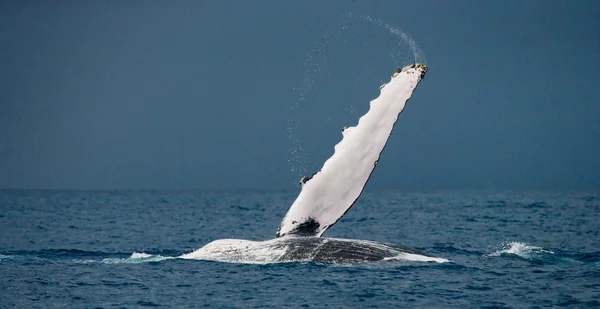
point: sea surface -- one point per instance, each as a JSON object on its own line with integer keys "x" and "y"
{"x": 116, "y": 249}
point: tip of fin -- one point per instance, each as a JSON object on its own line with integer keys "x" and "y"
{"x": 420, "y": 66}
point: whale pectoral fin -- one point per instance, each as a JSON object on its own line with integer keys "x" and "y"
{"x": 328, "y": 194}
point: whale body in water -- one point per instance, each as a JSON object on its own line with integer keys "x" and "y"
{"x": 329, "y": 193}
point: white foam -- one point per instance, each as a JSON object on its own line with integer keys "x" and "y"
{"x": 521, "y": 249}
{"x": 136, "y": 258}
{"x": 142, "y": 255}
{"x": 80, "y": 261}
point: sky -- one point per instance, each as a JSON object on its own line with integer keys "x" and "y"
{"x": 253, "y": 94}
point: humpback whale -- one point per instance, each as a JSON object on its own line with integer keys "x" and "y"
{"x": 329, "y": 193}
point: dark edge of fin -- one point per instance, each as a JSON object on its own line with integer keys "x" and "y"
{"x": 309, "y": 227}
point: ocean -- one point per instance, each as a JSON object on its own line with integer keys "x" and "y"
{"x": 117, "y": 249}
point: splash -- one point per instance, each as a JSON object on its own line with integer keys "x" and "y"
{"x": 417, "y": 52}
{"x": 522, "y": 250}
{"x": 533, "y": 254}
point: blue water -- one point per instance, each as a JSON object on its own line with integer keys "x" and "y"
{"x": 77, "y": 249}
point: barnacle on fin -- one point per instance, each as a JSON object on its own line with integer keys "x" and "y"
{"x": 416, "y": 66}
{"x": 305, "y": 179}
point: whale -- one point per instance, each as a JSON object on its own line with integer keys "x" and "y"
{"x": 328, "y": 194}
{"x": 306, "y": 249}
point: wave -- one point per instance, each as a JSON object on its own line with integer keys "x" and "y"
{"x": 137, "y": 258}
{"x": 85, "y": 257}
{"x": 538, "y": 255}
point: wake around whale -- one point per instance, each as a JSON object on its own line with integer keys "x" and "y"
{"x": 328, "y": 194}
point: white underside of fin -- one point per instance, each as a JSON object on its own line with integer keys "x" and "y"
{"x": 333, "y": 190}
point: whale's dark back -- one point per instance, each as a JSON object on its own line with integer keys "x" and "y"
{"x": 341, "y": 250}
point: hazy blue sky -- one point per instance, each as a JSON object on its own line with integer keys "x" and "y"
{"x": 213, "y": 94}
